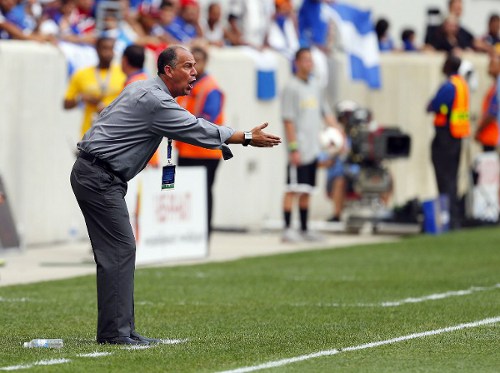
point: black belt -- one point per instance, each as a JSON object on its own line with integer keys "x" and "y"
{"x": 99, "y": 162}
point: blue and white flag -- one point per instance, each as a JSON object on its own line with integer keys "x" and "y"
{"x": 359, "y": 41}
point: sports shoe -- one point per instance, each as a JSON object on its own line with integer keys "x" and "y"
{"x": 121, "y": 341}
{"x": 137, "y": 337}
{"x": 333, "y": 219}
{"x": 311, "y": 236}
{"x": 291, "y": 236}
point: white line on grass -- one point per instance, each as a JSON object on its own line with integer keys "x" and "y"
{"x": 162, "y": 341}
{"x": 448, "y": 294}
{"x": 279, "y": 363}
{"x": 397, "y": 303}
{"x": 13, "y": 300}
{"x": 37, "y": 363}
{"x": 173, "y": 341}
{"x": 95, "y": 354}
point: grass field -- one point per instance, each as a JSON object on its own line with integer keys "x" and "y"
{"x": 326, "y": 308}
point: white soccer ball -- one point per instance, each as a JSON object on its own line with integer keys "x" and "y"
{"x": 331, "y": 140}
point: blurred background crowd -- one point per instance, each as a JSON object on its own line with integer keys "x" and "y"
{"x": 283, "y": 25}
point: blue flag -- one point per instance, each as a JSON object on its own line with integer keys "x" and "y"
{"x": 359, "y": 41}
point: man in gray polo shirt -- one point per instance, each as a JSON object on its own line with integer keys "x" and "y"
{"x": 117, "y": 148}
{"x": 305, "y": 112}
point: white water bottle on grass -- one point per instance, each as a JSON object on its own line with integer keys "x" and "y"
{"x": 44, "y": 343}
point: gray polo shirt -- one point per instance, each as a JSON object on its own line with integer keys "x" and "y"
{"x": 304, "y": 104}
{"x": 128, "y": 131}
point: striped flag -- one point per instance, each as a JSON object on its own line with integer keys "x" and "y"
{"x": 359, "y": 40}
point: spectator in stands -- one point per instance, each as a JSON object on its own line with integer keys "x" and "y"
{"x": 26, "y": 15}
{"x": 166, "y": 15}
{"x": 385, "y": 43}
{"x": 448, "y": 37}
{"x": 233, "y": 36}
{"x": 213, "y": 29}
{"x": 149, "y": 19}
{"x": 96, "y": 86}
{"x": 451, "y": 108}
{"x": 455, "y": 8}
{"x": 492, "y": 38}
{"x": 85, "y": 19}
{"x": 408, "y": 40}
{"x": 206, "y": 100}
{"x": 487, "y": 133}
{"x": 254, "y": 19}
{"x": 283, "y": 35}
{"x": 125, "y": 29}
{"x": 9, "y": 30}
{"x": 186, "y": 26}
{"x": 17, "y": 20}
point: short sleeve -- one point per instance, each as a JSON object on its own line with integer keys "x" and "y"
{"x": 444, "y": 96}
{"x": 73, "y": 87}
{"x": 289, "y": 104}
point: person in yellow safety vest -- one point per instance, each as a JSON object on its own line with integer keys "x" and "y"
{"x": 451, "y": 108}
{"x": 487, "y": 133}
{"x": 206, "y": 100}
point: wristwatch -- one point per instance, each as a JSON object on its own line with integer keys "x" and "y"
{"x": 247, "y": 138}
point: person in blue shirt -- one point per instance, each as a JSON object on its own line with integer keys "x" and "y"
{"x": 385, "y": 43}
{"x": 451, "y": 122}
{"x": 185, "y": 26}
{"x": 408, "y": 40}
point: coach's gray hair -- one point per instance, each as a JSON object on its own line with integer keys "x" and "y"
{"x": 169, "y": 57}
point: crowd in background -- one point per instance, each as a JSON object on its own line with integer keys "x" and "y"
{"x": 258, "y": 23}
{"x": 445, "y": 33}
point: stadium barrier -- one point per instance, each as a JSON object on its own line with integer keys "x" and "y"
{"x": 38, "y": 137}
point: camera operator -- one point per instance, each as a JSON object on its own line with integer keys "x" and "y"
{"x": 355, "y": 173}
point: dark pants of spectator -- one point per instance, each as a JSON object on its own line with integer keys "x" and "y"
{"x": 446, "y": 159}
{"x": 211, "y": 167}
{"x": 100, "y": 195}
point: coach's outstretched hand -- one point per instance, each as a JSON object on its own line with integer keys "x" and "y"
{"x": 263, "y": 140}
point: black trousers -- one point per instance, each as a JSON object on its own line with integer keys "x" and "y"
{"x": 100, "y": 196}
{"x": 211, "y": 167}
{"x": 446, "y": 160}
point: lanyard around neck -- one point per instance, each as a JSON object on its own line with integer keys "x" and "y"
{"x": 103, "y": 84}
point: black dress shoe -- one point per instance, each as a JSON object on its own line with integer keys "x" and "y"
{"x": 137, "y": 337}
{"x": 121, "y": 341}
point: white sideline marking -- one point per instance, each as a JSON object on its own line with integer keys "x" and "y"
{"x": 278, "y": 363}
{"x": 37, "y": 363}
{"x": 173, "y": 341}
{"x": 95, "y": 354}
{"x": 12, "y": 300}
{"x": 425, "y": 298}
{"x": 162, "y": 341}
{"x": 448, "y": 294}
{"x": 137, "y": 347}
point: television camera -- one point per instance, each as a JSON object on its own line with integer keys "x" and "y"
{"x": 369, "y": 180}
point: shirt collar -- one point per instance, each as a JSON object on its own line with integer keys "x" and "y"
{"x": 162, "y": 84}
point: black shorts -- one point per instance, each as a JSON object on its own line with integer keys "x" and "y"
{"x": 301, "y": 179}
